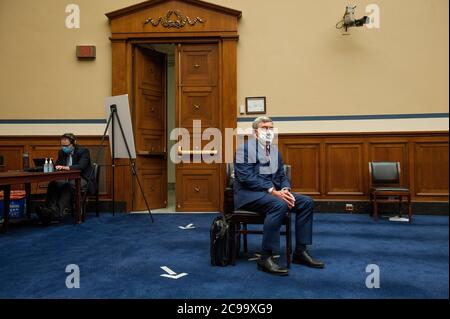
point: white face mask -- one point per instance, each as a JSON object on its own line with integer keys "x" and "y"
{"x": 265, "y": 136}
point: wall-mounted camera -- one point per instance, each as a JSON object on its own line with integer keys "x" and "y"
{"x": 349, "y": 20}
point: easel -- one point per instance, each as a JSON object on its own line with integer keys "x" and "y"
{"x": 111, "y": 120}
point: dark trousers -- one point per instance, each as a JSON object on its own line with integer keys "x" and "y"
{"x": 61, "y": 195}
{"x": 275, "y": 209}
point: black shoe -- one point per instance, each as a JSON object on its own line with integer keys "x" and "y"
{"x": 56, "y": 220}
{"x": 304, "y": 258}
{"x": 270, "y": 266}
{"x": 44, "y": 215}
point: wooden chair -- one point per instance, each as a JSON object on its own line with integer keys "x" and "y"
{"x": 240, "y": 219}
{"x": 86, "y": 197}
{"x": 385, "y": 187}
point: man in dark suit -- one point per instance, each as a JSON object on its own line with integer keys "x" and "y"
{"x": 261, "y": 185}
{"x": 60, "y": 194}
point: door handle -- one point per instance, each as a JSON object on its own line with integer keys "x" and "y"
{"x": 196, "y": 66}
{"x": 196, "y": 152}
{"x": 196, "y": 106}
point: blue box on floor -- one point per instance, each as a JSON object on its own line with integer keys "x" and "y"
{"x": 16, "y": 205}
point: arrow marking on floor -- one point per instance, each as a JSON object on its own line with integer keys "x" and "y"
{"x": 190, "y": 226}
{"x": 171, "y": 274}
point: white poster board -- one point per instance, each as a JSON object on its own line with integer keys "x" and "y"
{"x": 123, "y": 113}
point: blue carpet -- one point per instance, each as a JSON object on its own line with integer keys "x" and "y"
{"x": 120, "y": 257}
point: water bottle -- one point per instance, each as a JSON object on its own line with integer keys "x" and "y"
{"x": 51, "y": 167}
{"x": 46, "y": 166}
{"x": 25, "y": 161}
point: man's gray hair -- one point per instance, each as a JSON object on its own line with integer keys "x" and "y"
{"x": 259, "y": 120}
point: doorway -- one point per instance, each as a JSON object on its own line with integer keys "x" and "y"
{"x": 175, "y": 86}
{"x": 205, "y": 74}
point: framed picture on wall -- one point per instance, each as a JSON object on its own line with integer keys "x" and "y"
{"x": 255, "y": 105}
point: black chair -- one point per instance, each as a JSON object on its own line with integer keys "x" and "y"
{"x": 87, "y": 198}
{"x": 385, "y": 187}
{"x": 239, "y": 219}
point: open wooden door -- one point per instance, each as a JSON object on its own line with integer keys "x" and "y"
{"x": 198, "y": 185}
{"x": 206, "y": 68}
{"x": 150, "y": 122}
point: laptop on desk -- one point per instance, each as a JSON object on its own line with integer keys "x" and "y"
{"x": 39, "y": 161}
{"x": 38, "y": 165}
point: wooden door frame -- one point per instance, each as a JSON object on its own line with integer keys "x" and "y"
{"x": 127, "y": 31}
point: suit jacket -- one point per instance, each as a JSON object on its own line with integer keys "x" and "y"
{"x": 255, "y": 172}
{"x": 81, "y": 160}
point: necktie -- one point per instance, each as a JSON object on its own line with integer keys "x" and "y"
{"x": 267, "y": 149}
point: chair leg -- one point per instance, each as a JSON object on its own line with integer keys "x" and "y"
{"x": 288, "y": 244}
{"x": 375, "y": 208}
{"x": 400, "y": 201}
{"x": 83, "y": 211}
{"x": 245, "y": 239}
{"x": 96, "y": 205}
{"x": 232, "y": 242}
{"x": 409, "y": 209}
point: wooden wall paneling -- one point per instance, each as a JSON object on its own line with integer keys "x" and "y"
{"x": 305, "y": 161}
{"x": 425, "y": 153}
{"x": 411, "y": 165}
{"x": 395, "y": 146}
{"x": 344, "y": 162}
{"x": 48, "y": 146}
{"x": 12, "y": 157}
{"x": 323, "y": 168}
{"x": 431, "y": 169}
{"x": 365, "y": 169}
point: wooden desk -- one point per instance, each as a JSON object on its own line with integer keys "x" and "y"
{"x": 12, "y": 178}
